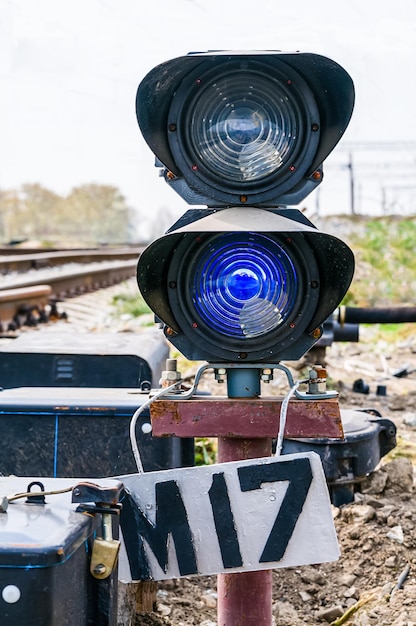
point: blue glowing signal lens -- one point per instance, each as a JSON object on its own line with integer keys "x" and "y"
{"x": 244, "y": 285}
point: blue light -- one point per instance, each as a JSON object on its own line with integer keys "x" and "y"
{"x": 244, "y": 285}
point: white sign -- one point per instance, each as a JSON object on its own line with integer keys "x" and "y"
{"x": 244, "y": 515}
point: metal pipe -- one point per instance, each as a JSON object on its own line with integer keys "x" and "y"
{"x": 387, "y": 315}
{"x": 243, "y": 383}
{"x": 244, "y": 597}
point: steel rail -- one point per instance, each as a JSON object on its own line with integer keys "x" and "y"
{"x": 30, "y": 293}
{"x": 23, "y": 301}
{"x": 35, "y": 260}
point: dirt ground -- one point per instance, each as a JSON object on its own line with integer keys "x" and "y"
{"x": 374, "y": 581}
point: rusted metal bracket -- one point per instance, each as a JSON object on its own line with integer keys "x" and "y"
{"x": 315, "y": 413}
{"x": 246, "y": 417}
{"x": 85, "y": 492}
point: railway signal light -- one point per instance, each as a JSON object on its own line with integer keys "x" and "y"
{"x": 245, "y": 134}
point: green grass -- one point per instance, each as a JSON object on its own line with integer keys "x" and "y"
{"x": 133, "y": 305}
{"x": 385, "y": 263}
{"x": 405, "y": 449}
{"x": 205, "y": 450}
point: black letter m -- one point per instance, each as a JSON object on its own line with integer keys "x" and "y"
{"x": 171, "y": 519}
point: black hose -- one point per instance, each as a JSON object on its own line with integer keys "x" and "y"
{"x": 390, "y": 315}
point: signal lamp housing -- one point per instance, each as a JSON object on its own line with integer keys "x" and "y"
{"x": 242, "y": 133}
{"x": 252, "y": 285}
{"x": 235, "y": 128}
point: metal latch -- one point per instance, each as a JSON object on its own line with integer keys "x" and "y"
{"x": 104, "y": 500}
{"x": 105, "y": 551}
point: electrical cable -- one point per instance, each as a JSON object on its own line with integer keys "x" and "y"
{"x": 283, "y": 415}
{"x": 28, "y": 494}
{"x": 135, "y": 417}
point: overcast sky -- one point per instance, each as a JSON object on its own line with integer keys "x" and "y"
{"x": 69, "y": 71}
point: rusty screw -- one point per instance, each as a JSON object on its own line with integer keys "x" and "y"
{"x": 317, "y": 379}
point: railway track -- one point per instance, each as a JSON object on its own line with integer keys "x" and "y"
{"x": 36, "y": 260}
{"x": 32, "y": 284}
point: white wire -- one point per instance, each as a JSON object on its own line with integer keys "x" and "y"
{"x": 133, "y": 422}
{"x": 282, "y": 419}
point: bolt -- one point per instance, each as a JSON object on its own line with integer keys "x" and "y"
{"x": 220, "y": 374}
{"x": 266, "y": 375}
{"x": 170, "y": 374}
{"x": 100, "y": 569}
{"x": 171, "y": 365}
{"x": 317, "y": 379}
{"x": 4, "y": 503}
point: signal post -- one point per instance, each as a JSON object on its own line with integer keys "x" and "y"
{"x": 250, "y": 424}
{"x": 243, "y": 281}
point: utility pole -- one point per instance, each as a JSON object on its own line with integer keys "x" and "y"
{"x": 352, "y": 192}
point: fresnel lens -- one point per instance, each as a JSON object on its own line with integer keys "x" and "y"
{"x": 242, "y": 127}
{"x": 243, "y": 287}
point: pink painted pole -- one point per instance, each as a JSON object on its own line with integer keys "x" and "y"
{"x": 245, "y": 598}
